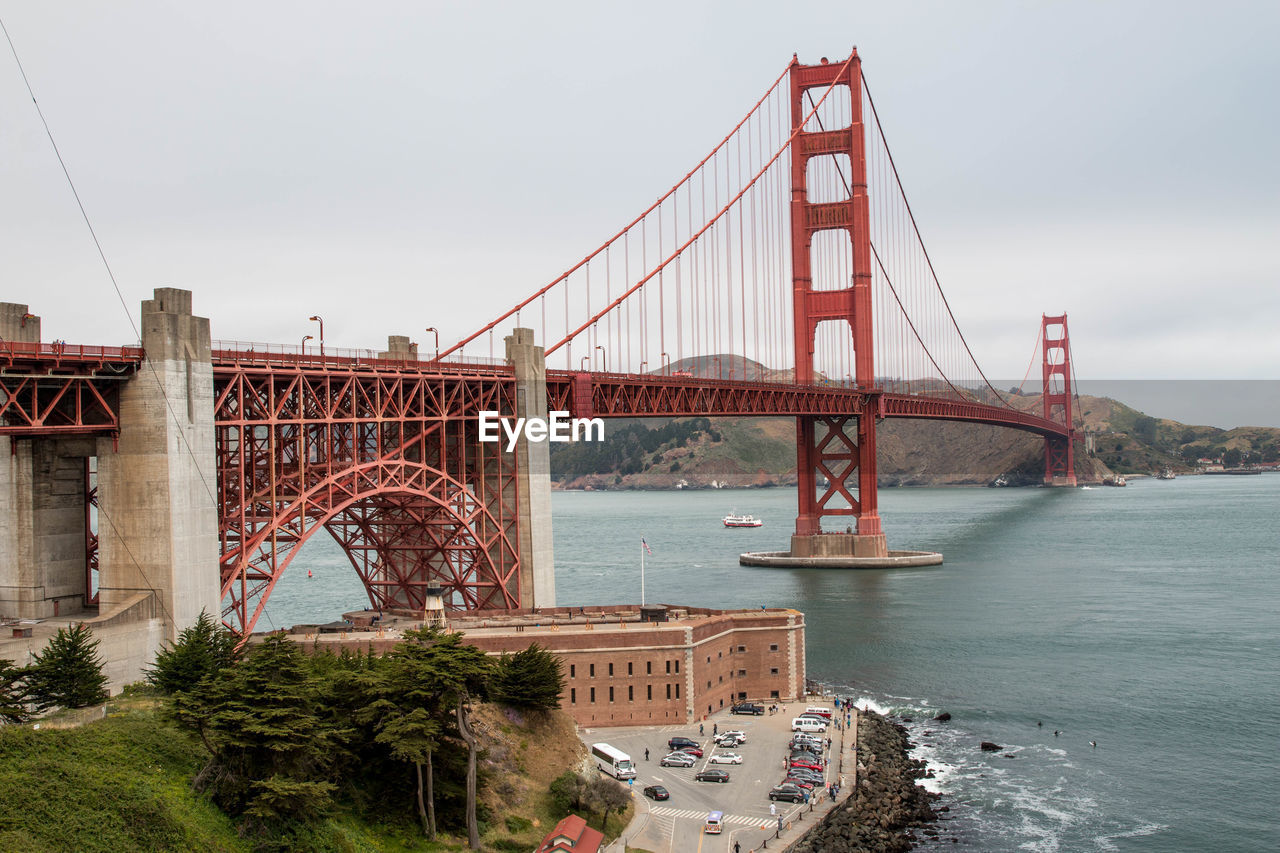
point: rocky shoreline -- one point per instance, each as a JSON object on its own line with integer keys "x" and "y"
{"x": 888, "y": 809}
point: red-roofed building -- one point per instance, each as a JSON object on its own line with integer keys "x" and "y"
{"x": 572, "y": 833}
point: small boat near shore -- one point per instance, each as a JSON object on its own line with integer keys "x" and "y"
{"x": 1117, "y": 480}
{"x": 734, "y": 520}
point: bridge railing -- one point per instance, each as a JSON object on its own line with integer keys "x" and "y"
{"x": 61, "y": 351}
{"x": 256, "y": 353}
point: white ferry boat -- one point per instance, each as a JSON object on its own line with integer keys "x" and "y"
{"x": 732, "y": 520}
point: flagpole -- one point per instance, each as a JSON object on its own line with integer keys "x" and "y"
{"x": 642, "y": 572}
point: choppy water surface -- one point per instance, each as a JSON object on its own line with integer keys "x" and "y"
{"x": 1143, "y": 618}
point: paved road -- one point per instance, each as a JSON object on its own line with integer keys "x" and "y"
{"x": 675, "y": 825}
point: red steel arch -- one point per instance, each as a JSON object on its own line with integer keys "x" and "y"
{"x": 384, "y": 455}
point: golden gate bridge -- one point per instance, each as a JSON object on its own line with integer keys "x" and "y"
{"x": 784, "y": 275}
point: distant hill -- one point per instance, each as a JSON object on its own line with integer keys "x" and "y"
{"x": 658, "y": 453}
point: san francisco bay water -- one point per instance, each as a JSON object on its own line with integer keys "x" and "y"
{"x": 1144, "y": 619}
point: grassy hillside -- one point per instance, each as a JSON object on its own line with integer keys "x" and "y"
{"x": 123, "y": 784}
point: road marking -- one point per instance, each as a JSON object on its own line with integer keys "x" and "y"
{"x": 695, "y": 814}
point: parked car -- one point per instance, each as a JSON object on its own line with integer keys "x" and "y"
{"x": 728, "y": 742}
{"x": 814, "y": 779}
{"x": 736, "y": 733}
{"x": 679, "y": 742}
{"x": 678, "y": 759}
{"x": 799, "y": 783}
{"x": 804, "y": 762}
{"x": 712, "y": 776}
{"x": 656, "y": 792}
{"x": 747, "y": 708}
{"x": 726, "y": 758}
{"x": 790, "y": 793}
{"x": 692, "y": 750}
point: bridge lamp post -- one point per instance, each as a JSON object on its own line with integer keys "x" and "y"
{"x": 306, "y": 338}
{"x": 666, "y": 369}
{"x": 642, "y": 364}
{"x": 604, "y": 354}
{"x": 432, "y": 330}
{"x": 317, "y": 319}
{"x": 583, "y": 365}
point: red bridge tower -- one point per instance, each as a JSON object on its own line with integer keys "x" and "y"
{"x": 823, "y": 445}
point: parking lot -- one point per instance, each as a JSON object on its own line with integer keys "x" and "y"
{"x": 676, "y": 825}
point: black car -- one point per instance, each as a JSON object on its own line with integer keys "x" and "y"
{"x": 656, "y": 792}
{"x": 712, "y": 776}
{"x": 787, "y": 792}
{"x": 680, "y": 743}
{"x": 747, "y": 708}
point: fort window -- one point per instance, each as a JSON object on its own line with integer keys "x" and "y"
{"x": 742, "y": 648}
{"x": 629, "y": 668}
{"x": 573, "y": 695}
{"x": 651, "y": 692}
{"x": 677, "y": 667}
{"x": 592, "y": 672}
{"x": 773, "y": 671}
{"x": 668, "y": 667}
{"x": 741, "y": 673}
{"x": 631, "y": 692}
{"x": 611, "y": 670}
{"x": 593, "y": 695}
{"x": 573, "y": 670}
{"x": 648, "y": 667}
{"x": 668, "y": 691}
{"x": 610, "y": 694}
{"x": 677, "y": 690}
{"x": 773, "y": 647}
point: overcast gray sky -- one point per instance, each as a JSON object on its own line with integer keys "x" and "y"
{"x": 392, "y": 166}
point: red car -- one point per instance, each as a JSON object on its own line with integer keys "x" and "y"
{"x": 692, "y": 750}
{"x": 805, "y": 762}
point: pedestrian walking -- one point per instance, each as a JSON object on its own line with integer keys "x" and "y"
{"x": 773, "y": 808}
{"x": 699, "y": 728}
{"x": 737, "y": 848}
{"x": 715, "y": 728}
{"x": 646, "y": 754}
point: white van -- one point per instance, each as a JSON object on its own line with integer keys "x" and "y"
{"x": 825, "y": 713}
{"x": 714, "y": 823}
{"x": 808, "y": 724}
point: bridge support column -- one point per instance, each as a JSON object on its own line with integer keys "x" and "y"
{"x": 533, "y": 474}
{"x": 42, "y": 503}
{"x": 157, "y": 488}
{"x": 42, "y": 539}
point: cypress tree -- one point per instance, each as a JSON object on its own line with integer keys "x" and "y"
{"x": 13, "y": 693}
{"x": 68, "y": 672}
{"x": 533, "y": 678}
{"x": 202, "y": 649}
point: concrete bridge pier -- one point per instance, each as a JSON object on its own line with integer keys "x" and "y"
{"x": 158, "y": 526}
{"x": 537, "y": 560}
{"x": 42, "y": 503}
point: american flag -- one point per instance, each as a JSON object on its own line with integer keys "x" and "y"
{"x": 645, "y": 545}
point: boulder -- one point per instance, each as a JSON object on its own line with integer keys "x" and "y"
{"x": 943, "y": 717}
{"x": 988, "y": 746}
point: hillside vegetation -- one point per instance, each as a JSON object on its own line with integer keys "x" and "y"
{"x": 433, "y": 746}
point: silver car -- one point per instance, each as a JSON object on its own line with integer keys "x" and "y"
{"x": 678, "y": 759}
{"x": 726, "y": 758}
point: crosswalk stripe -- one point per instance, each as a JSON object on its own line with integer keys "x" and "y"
{"x": 666, "y": 811}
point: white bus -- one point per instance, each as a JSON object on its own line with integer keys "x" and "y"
{"x": 615, "y": 762}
